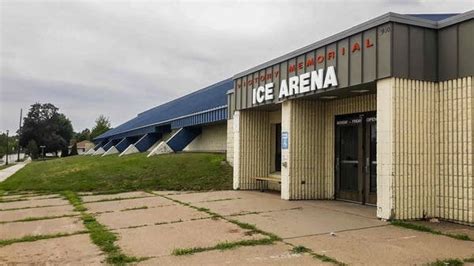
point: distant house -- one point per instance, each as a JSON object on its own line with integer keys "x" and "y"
{"x": 83, "y": 146}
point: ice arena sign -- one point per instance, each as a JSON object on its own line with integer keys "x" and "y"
{"x": 306, "y": 82}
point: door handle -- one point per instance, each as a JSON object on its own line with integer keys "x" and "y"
{"x": 367, "y": 165}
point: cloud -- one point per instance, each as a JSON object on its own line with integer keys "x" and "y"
{"x": 120, "y": 58}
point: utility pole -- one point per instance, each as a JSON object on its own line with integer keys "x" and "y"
{"x": 6, "y": 161}
{"x": 19, "y": 135}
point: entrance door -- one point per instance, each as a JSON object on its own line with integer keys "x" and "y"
{"x": 355, "y": 158}
{"x": 277, "y": 147}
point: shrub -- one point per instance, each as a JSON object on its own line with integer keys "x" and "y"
{"x": 33, "y": 150}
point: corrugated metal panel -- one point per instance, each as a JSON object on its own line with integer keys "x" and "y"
{"x": 205, "y": 99}
{"x": 253, "y": 151}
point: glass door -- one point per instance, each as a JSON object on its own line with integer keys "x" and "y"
{"x": 278, "y": 148}
{"x": 355, "y": 169}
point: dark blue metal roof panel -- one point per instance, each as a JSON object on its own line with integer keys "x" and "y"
{"x": 209, "y": 98}
{"x": 433, "y": 17}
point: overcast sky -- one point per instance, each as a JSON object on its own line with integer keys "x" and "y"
{"x": 120, "y": 58}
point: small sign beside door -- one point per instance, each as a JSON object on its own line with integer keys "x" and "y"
{"x": 284, "y": 140}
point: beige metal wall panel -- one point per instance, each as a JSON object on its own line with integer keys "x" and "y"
{"x": 414, "y": 165}
{"x": 426, "y": 167}
{"x": 455, "y": 193}
{"x": 252, "y": 155}
{"x": 310, "y": 156}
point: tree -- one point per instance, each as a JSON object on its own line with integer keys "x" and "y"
{"x": 33, "y": 150}
{"x": 46, "y": 126}
{"x": 83, "y": 135}
{"x": 73, "y": 149}
{"x": 102, "y": 124}
{"x": 12, "y": 144}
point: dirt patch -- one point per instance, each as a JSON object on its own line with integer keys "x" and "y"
{"x": 149, "y": 216}
{"x": 77, "y": 250}
{"x": 118, "y": 205}
{"x": 387, "y": 245}
{"x": 41, "y": 227}
{"x": 113, "y": 196}
{"x": 277, "y": 254}
{"x": 36, "y": 212}
{"x": 159, "y": 240}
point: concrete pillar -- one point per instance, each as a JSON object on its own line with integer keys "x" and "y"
{"x": 385, "y": 148}
{"x": 110, "y": 151}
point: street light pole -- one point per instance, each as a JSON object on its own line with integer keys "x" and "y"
{"x": 6, "y": 161}
{"x": 42, "y": 150}
{"x": 19, "y": 134}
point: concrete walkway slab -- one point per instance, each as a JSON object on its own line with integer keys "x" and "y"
{"x": 207, "y": 196}
{"x": 9, "y": 171}
{"x": 277, "y": 254}
{"x": 160, "y": 240}
{"x": 388, "y": 245}
{"x": 29, "y": 203}
{"x": 70, "y": 250}
{"x": 36, "y": 212}
{"x": 41, "y": 227}
{"x": 307, "y": 221}
{"x": 345, "y": 207}
{"x": 248, "y": 205}
{"x": 118, "y": 205}
{"x": 114, "y": 196}
{"x": 151, "y": 216}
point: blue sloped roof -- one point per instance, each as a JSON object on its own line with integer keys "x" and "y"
{"x": 199, "y": 101}
{"x": 433, "y": 17}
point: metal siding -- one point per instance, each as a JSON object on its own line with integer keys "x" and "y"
{"x": 370, "y": 56}
{"x": 238, "y": 96}
{"x": 244, "y": 101}
{"x": 416, "y": 52}
{"x": 343, "y": 63}
{"x": 300, "y": 62}
{"x": 448, "y": 53}
{"x": 333, "y": 61}
{"x": 466, "y": 48}
{"x": 249, "y": 88}
{"x": 320, "y": 52}
{"x": 269, "y": 79}
{"x": 430, "y": 58}
{"x": 276, "y": 81}
{"x": 245, "y": 88}
{"x": 400, "y": 51}
{"x": 355, "y": 61}
{"x": 384, "y": 41}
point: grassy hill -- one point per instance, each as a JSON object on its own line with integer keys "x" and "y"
{"x": 183, "y": 171}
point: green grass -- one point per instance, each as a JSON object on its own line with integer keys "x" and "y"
{"x": 30, "y": 238}
{"x": 300, "y": 249}
{"x": 423, "y": 228}
{"x": 100, "y": 234}
{"x": 450, "y": 262}
{"x": 223, "y": 246}
{"x": 182, "y": 171}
